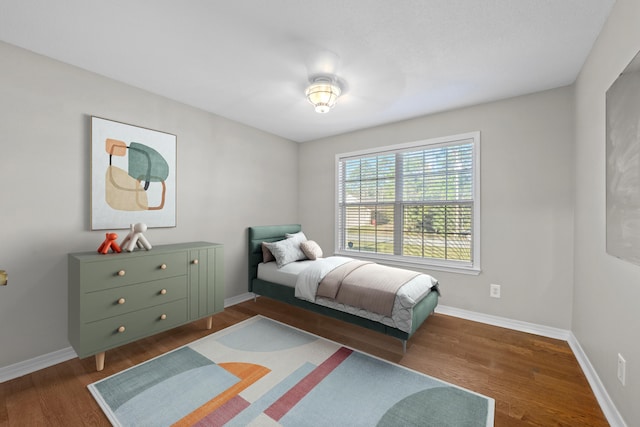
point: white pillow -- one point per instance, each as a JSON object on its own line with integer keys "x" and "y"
{"x": 299, "y": 236}
{"x": 286, "y": 251}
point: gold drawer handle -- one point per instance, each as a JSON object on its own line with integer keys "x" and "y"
{"x": 163, "y": 292}
{"x": 195, "y": 261}
{"x": 163, "y": 267}
{"x": 122, "y": 301}
{"x": 121, "y": 329}
{"x": 163, "y": 317}
{"x": 121, "y": 273}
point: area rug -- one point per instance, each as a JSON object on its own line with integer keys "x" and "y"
{"x": 264, "y": 373}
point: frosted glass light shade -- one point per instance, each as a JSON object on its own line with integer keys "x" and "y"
{"x": 323, "y": 94}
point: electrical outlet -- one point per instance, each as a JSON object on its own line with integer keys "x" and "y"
{"x": 622, "y": 369}
{"x": 494, "y": 290}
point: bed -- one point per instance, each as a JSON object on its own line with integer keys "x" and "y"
{"x": 271, "y": 284}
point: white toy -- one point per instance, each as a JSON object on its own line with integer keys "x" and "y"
{"x": 135, "y": 238}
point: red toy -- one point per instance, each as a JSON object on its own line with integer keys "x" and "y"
{"x": 109, "y": 243}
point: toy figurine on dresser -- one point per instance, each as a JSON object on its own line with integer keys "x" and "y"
{"x": 109, "y": 243}
{"x": 136, "y": 238}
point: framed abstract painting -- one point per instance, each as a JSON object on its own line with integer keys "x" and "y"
{"x": 133, "y": 176}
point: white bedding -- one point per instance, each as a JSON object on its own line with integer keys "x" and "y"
{"x": 305, "y": 276}
{"x": 285, "y": 275}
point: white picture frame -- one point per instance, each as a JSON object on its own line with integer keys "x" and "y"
{"x": 623, "y": 164}
{"x": 133, "y": 176}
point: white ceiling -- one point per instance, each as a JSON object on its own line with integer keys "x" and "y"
{"x": 250, "y": 60}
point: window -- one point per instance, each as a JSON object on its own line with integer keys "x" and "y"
{"x": 414, "y": 203}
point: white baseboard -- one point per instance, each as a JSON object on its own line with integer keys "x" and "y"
{"x": 503, "y": 322}
{"x": 28, "y": 366}
{"x": 238, "y": 299}
{"x": 606, "y": 404}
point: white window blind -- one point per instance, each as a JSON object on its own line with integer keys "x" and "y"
{"x": 415, "y": 203}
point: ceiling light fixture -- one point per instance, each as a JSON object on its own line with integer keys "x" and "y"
{"x": 323, "y": 93}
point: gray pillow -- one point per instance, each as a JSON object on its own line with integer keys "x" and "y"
{"x": 286, "y": 251}
{"x": 267, "y": 256}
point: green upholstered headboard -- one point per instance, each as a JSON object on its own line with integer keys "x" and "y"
{"x": 265, "y": 233}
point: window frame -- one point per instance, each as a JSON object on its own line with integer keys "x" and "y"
{"x": 454, "y": 266}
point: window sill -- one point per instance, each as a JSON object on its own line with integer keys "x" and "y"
{"x": 396, "y": 262}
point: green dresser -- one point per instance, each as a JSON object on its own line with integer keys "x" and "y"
{"x": 115, "y": 298}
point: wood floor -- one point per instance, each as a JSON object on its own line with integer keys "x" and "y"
{"x": 535, "y": 381}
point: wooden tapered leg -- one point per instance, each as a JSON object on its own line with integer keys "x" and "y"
{"x": 209, "y": 322}
{"x": 100, "y": 361}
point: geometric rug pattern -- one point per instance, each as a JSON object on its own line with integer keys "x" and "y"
{"x": 261, "y": 372}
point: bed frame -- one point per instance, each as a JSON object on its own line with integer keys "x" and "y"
{"x": 272, "y": 233}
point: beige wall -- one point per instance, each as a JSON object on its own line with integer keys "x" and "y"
{"x": 223, "y": 169}
{"x": 606, "y": 317}
{"x": 527, "y": 148}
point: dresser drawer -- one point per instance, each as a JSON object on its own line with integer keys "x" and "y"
{"x": 104, "y": 334}
{"x": 121, "y": 270}
{"x": 125, "y": 299}
{"x": 145, "y": 292}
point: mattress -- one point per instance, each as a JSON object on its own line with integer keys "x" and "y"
{"x": 401, "y": 316}
{"x": 286, "y": 275}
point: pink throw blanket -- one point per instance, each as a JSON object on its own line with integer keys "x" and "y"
{"x": 366, "y": 285}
